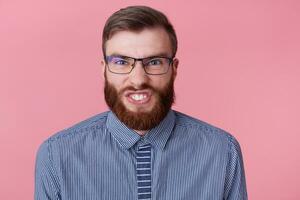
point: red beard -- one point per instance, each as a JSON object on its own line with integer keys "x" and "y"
{"x": 140, "y": 121}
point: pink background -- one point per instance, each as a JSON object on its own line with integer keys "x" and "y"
{"x": 239, "y": 70}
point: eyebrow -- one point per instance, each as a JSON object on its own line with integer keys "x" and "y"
{"x": 150, "y": 56}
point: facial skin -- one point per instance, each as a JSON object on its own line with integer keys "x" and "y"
{"x": 142, "y": 44}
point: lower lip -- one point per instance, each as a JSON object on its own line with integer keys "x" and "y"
{"x": 139, "y": 102}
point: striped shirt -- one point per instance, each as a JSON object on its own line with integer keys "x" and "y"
{"x": 96, "y": 160}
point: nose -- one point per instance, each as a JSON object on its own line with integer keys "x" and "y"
{"x": 138, "y": 75}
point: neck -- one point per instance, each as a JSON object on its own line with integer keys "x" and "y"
{"x": 141, "y": 132}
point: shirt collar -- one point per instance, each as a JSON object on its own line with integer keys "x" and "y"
{"x": 126, "y": 137}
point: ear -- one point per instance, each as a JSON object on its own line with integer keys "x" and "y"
{"x": 175, "y": 66}
{"x": 102, "y": 62}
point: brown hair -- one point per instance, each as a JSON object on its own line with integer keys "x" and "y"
{"x": 136, "y": 18}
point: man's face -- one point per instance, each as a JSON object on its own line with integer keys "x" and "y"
{"x": 138, "y": 99}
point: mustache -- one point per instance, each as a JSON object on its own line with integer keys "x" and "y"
{"x": 144, "y": 86}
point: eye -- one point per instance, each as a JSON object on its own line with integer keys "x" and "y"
{"x": 119, "y": 61}
{"x": 155, "y": 61}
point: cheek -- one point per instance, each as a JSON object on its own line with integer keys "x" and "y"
{"x": 161, "y": 82}
{"x": 117, "y": 81}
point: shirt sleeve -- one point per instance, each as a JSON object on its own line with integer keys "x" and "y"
{"x": 46, "y": 180}
{"x": 235, "y": 183}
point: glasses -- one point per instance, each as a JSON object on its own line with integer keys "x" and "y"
{"x": 156, "y": 65}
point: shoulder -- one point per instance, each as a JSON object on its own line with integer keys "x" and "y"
{"x": 198, "y": 129}
{"x": 81, "y": 128}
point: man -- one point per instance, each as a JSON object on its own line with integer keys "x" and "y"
{"x": 141, "y": 148}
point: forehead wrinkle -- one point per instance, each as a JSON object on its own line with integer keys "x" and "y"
{"x": 140, "y": 44}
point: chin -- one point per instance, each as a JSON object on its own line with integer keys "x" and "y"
{"x": 139, "y": 109}
{"x": 147, "y": 108}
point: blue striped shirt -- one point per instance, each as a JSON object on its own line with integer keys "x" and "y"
{"x": 96, "y": 159}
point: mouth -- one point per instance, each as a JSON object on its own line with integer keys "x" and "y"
{"x": 138, "y": 97}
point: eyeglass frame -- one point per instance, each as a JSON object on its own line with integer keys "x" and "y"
{"x": 170, "y": 59}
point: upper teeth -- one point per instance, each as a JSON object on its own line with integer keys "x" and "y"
{"x": 138, "y": 96}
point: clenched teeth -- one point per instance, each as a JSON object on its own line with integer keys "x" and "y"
{"x": 138, "y": 97}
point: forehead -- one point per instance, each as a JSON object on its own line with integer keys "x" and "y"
{"x": 140, "y": 44}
